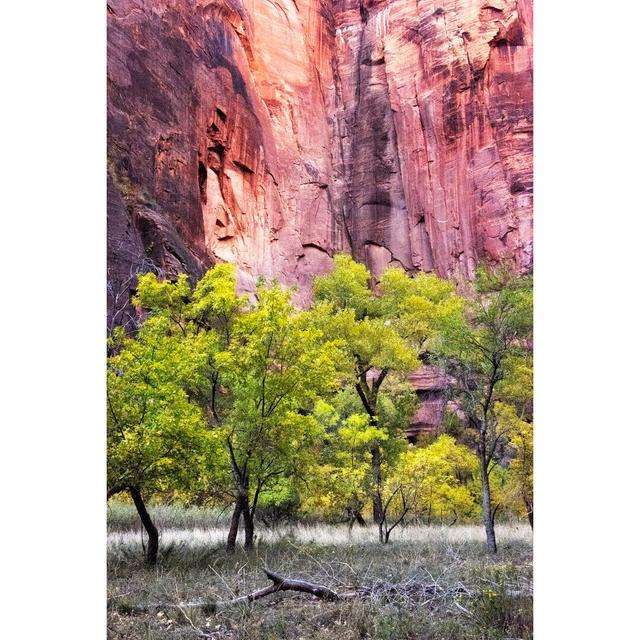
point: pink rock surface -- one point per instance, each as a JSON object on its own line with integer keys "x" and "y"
{"x": 273, "y": 134}
{"x": 435, "y": 125}
{"x": 430, "y": 383}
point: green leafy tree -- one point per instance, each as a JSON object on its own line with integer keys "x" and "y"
{"x": 488, "y": 356}
{"x": 342, "y": 477}
{"x": 276, "y": 367}
{"x": 155, "y": 434}
{"x": 385, "y": 332}
{"x": 258, "y": 372}
{"x": 280, "y": 501}
{"x": 204, "y": 318}
{"x": 437, "y": 480}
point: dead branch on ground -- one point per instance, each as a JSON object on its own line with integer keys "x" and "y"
{"x": 281, "y": 583}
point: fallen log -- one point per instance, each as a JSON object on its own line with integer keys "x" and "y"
{"x": 281, "y": 583}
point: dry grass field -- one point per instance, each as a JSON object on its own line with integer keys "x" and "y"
{"x": 429, "y": 582}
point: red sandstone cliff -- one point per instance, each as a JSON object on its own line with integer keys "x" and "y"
{"x": 274, "y": 132}
{"x": 436, "y": 114}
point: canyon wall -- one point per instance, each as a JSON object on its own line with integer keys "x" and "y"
{"x": 274, "y": 133}
{"x": 220, "y": 136}
{"x": 435, "y": 120}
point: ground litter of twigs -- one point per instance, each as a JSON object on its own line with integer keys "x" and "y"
{"x": 428, "y": 582}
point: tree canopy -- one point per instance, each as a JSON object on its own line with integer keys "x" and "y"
{"x": 259, "y": 404}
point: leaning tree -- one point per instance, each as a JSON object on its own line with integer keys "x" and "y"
{"x": 155, "y": 434}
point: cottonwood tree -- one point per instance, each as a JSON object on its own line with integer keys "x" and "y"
{"x": 203, "y": 318}
{"x": 275, "y": 369}
{"x": 155, "y": 434}
{"x": 385, "y": 332}
{"x": 485, "y": 354}
{"x": 258, "y": 371}
{"x": 342, "y": 479}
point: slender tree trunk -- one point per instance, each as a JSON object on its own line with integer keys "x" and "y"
{"x": 486, "y": 501}
{"x": 529, "y": 506}
{"x": 369, "y": 399}
{"x": 376, "y": 463}
{"x": 233, "y": 527}
{"x": 248, "y": 525}
{"x": 152, "y": 532}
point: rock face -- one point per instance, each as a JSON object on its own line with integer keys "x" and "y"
{"x": 275, "y": 133}
{"x": 436, "y": 123}
{"x": 430, "y": 384}
{"x": 218, "y": 119}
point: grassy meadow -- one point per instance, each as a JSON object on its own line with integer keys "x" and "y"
{"x": 428, "y": 582}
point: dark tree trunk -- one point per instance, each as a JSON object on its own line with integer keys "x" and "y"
{"x": 376, "y": 460}
{"x": 369, "y": 399}
{"x": 247, "y": 515}
{"x": 529, "y": 506}
{"x": 241, "y": 509}
{"x": 487, "y": 516}
{"x": 150, "y": 528}
{"x": 384, "y": 534}
{"x": 233, "y": 527}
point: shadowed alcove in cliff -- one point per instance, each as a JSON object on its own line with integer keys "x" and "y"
{"x": 202, "y": 182}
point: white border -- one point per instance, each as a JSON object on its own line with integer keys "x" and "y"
{"x": 586, "y": 325}
{"x": 53, "y": 312}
